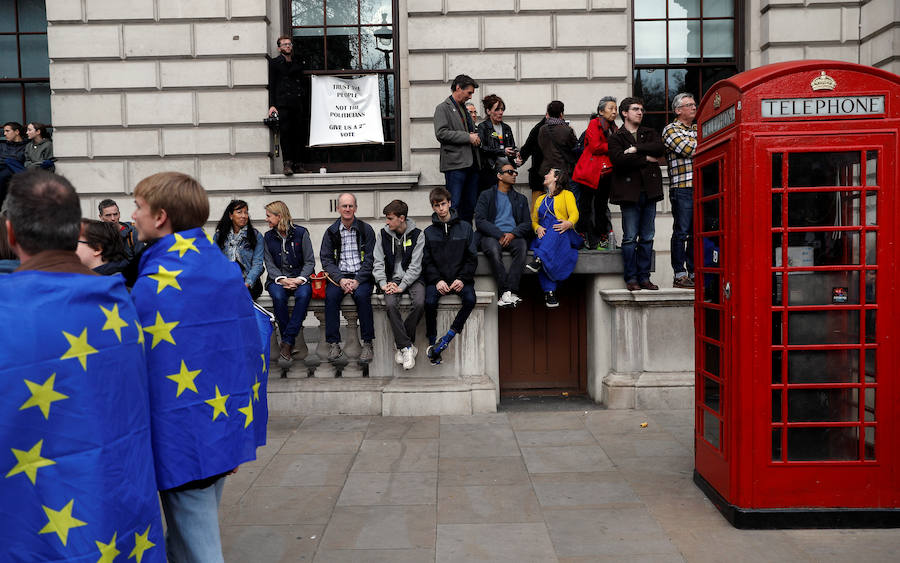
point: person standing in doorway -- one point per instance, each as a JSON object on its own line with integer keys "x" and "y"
{"x": 286, "y": 99}
{"x": 680, "y": 139}
{"x": 460, "y": 160}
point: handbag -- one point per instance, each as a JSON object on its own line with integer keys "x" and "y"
{"x": 317, "y": 281}
{"x": 591, "y": 167}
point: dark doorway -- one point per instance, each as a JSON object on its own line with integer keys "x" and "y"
{"x": 544, "y": 351}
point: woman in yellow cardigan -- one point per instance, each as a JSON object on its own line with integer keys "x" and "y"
{"x": 555, "y": 248}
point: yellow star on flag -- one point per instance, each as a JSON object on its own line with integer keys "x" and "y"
{"x": 182, "y": 245}
{"x": 218, "y": 404}
{"x": 161, "y": 331}
{"x": 184, "y": 379}
{"x": 248, "y": 412}
{"x": 209, "y": 237}
{"x": 29, "y": 462}
{"x": 256, "y": 390}
{"x": 61, "y": 521}
{"x": 108, "y": 551}
{"x": 113, "y": 320}
{"x": 166, "y": 278}
{"x": 78, "y": 348}
{"x": 42, "y": 395}
{"x": 140, "y": 330}
{"x": 141, "y": 544}
{"x": 265, "y": 363}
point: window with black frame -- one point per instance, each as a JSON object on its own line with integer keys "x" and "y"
{"x": 24, "y": 64}
{"x": 351, "y": 38}
{"x": 682, "y": 46}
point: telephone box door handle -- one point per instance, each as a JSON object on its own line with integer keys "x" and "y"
{"x": 727, "y": 290}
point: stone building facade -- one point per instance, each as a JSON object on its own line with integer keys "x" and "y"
{"x": 141, "y": 86}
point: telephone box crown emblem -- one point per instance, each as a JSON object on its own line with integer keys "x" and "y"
{"x": 717, "y": 101}
{"x": 823, "y": 82}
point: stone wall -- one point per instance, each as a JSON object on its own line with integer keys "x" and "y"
{"x": 144, "y": 86}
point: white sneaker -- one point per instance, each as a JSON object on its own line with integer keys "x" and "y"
{"x": 505, "y": 300}
{"x": 514, "y": 298}
{"x": 398, "y": 356}
{"x": 415, "y": 351}
{"x": 409, "y": 360}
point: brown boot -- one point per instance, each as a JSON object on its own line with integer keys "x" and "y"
{"x": 288, "y": 169}
{"x": 286, "y": 352}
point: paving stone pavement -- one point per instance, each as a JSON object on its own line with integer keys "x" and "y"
{"x": 520, "y": 487}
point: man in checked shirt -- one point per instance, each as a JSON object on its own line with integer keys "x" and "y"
{"x": 680, "y": 139}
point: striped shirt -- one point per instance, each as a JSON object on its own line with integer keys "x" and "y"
{"x": 681, "y": 142}
{"x": 350, "y": 262}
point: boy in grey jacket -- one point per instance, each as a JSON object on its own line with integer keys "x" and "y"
{"x": 398, "y": 267}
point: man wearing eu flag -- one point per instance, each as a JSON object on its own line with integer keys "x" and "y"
{"x": 204, "y": 361}
{"x": 76, "y": 466}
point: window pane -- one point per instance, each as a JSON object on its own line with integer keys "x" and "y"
{"x": 378, "y": 47}
{"x": 824, "y": 288}
{"x": 776, "y": 209}
{"x": 37, "y": 102}
{"x": 823, "y": 169}
{"x": 11, "y": 103}
{"x": 871, "y": 208}
{"x": 650, "y": 9}
{"x": 655, "y": 121}
{"x": 871, "y": 296}
{"x": 777, "y": 355}
{"x": 684, "y": 41}
{"x": 776, "y": 328}
{"x": 823, "y": 444}
{"x": 823, "y": 405}
{"x": 7, "y": 16}
{"x": 650, "y": 85}
{"x": 776, "y": 444}
{"x": 819, "y": 248}
{"x": 32, "y": 15}
{"x": 711, "y": 75}
{"x": 9, "y": 62}
{"x": 684, "y": 8}
{"x": 718, "y": 8}
{"x": 386, "y": 92}
{"x": 341, "y": 12}
{"x": 823, "y": 209}
{"x": 375, "y": 11}
{"x": 342, "y": 48}
{"x": 712, "y": 256}
{"x": 712, "y": 359}
{"x": 718, "y": 39}
{"x": 711, "y": 391}
{"x": 307, "y": 12}
{"x": 710, "y": 179}
{"x": 35, "y": 62}
{"x": 710, "y": 211}
{"x": 649, "y": 42}
{"x": 711, "y": 288}
{"x": 823, "y": 366}
{"x": 777, "y": 160}
{"x": 311, "y": 43}
{"x": 711, "y": 428}
{"x": 870, "y": 443}
{"x": 712, "y": 323}
{"x": 871, "y": 168}
{"x": 776, "y": 405}
{"x": 823, "y": 327}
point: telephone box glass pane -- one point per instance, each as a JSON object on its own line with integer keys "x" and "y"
{"x": 776, "y": 250}
{"x": 710, "y": 179}
{"x": 823, "y": 327}
{"x": 870, "y": 442}
{"x": 711, "y": 428}
{"x": 650, "y": 44}
{"x": 870, "y": 327}
{"x": 823, "y": 444}
{"x": 711, "y": 288}
{"x": 871, "y": 240}
{"x": 820, "y": 248}
{"x": 776, "y": 170}
{"x": 823, "y": 209}
{"x": 776, "y": 210}
{"x": 711, "y": 393}
{"x": 776, "y": 405}
{"x": 776, "y": 366}
{"x": 870, "y": 404}
{"x": 823, "y": 405}
{"x": 807, "y": 169}
{"x": 823, "y": 366}
{"x": 776, "y": 444}
{"x": 871, "y": 370}
{"x": 871, "y": 208}
{"x": 712, "y": 254}
{"x": 777, "y": 288}
{"x": 871, "y": 168}
{"x": 823, "y": 288}
{"x": 710, "y": 215}
{"x": 776, "y": 328}
{"x": 871, "y": 296}
{"x": 712, "y": 323}
{"x": 712, "y": 359}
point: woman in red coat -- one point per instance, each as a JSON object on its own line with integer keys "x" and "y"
{"x": 592, "y": 172}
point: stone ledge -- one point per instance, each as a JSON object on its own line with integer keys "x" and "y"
{"x": 663, "y": 297}
{"x": 648, "y": 390}
{"x": 357, "y": 181}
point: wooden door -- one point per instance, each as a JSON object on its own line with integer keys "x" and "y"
{"x": 544, "y": 350}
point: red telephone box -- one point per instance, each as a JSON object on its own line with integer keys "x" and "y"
{"x": 796, "y": 312}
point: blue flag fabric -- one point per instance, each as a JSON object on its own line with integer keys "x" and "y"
{"x": 76, "y": 467}
{"x": 203, "y": 358}
{"x": 266, "y": 324}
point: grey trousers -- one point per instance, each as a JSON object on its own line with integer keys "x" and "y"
{"x": 405, "y": 330}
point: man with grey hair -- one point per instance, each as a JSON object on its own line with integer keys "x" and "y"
{"x": 680, "y": 139}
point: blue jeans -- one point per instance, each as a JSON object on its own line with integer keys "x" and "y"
{"x": 463, "y": 188}
{"x": 432, "y": 296}
{"x": 682, "y": 245}
{"x": 290, "y": 328}
{"x": 192, "y": 524}
{"x": 362, "y": 296}
{"x": 638, "y": 228}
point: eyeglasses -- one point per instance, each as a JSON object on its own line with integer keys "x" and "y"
{"x": 513, "y": 172}
{"x": 688, "y": 105}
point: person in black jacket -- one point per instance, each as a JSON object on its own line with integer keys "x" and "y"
{"x": 532, "y": 149}
{"x": 448, "y": 264}
{"x": 504, "y": 224}
{"x": 286, "y": 98}
{"x": 348, "y": 256}
{"x": 636, "y": 186}
{"x": 12, "y": 154}
{"x": 497, "y": 142}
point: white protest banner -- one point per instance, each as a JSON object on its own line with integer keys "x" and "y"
{"x": 345, "y": 112}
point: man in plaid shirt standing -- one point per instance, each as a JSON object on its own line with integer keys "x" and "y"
{"x": 680, "y": 139}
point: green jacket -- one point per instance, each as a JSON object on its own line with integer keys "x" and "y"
{"x": 35, "y": 154}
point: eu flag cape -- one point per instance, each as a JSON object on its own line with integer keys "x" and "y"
{"x": 265, "y": 322}
{"x": 76, "y": 467}
{"x": 204, "y": 361}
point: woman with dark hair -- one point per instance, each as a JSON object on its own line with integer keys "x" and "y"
{"x": 497, "y": 143}
{"x": 289, "y": 262}
{"x": 100, "y": 247}
{"x": 241, "y": 243}
{"x": 593, "y": 172}
{"x": 39, "y": 148}
{"x": 556, "y": 246}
